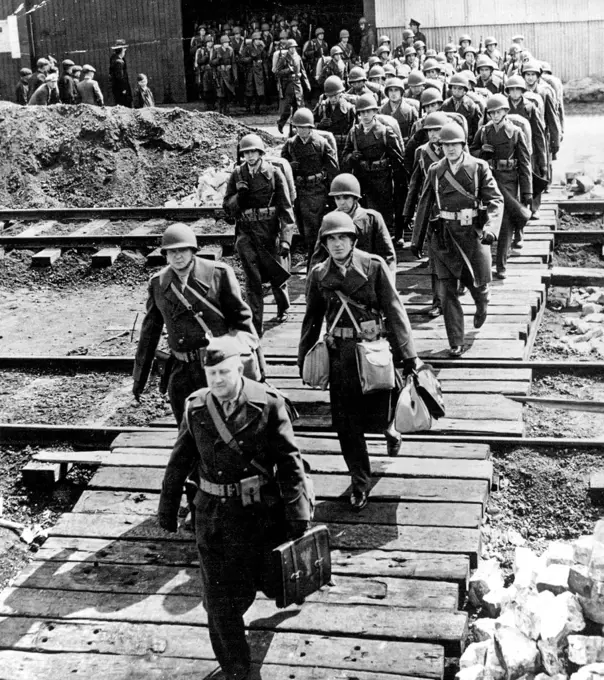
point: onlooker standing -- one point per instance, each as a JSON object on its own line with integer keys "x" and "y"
{"x": 39, "y": 76}
{"x": 417, "y": 34}
{"x": 118, "y": 72}
{"x": 143, "y": 97}
{"x": 22, "y": 89}
{"x": 48, "y": 92}
{"x": 88, "y": 88}
{"x": 67, "y": 88}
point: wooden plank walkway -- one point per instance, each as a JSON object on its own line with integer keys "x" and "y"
{"x": 110, "y": 593}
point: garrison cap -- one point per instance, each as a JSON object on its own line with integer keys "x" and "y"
{"x": 222, "y": 348}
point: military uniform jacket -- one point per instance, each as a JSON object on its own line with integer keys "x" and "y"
{"x": 405, "y": 115}
{"x": 380, "y": 142}
{"x": 313, "y": 157}
{"x": 264, "y": 432}
{"x": 530, "y": 111}
{"x": 225, "y": 66}
{"x": 267, "y": 187}
{"x": 366, "y": 281}
{"x": 550, "y": 115}
{"x": 214, "y": 281}
{"x": 313, "y": 52}
{"x": 468, "y": 109}
{"x": 425, "y": 156}
{"x": 255, "y": 59}
{"x": 337, "y": 119}
{"x": 494, "y": 84}
{"x": 333, "y": 68}
{"x": 447, "y": 260}
{"x": 290, "y": 69}
{"x": 372, "y": 237}
{"x": 509, "y": 144}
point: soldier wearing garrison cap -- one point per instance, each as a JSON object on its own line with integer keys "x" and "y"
{"x": 252, "y": 495}
{"x": 194, "y": 299}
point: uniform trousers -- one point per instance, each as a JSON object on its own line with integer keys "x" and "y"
{"x": 376, "y": 187}
{"x": 312, "y": 205}
{"x": 291, "y": 101}
{"x": 448, "y": 294}
{"x": 252, "y": 268}
{"x": 354, "y": 413}
{"x": 185, "y": 378}
{"x": 234, "y": 544}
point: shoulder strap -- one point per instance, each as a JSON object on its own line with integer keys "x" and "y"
{"x": 345, "y": 306}
{"x": 457, "y": 186}
{"x": 198, "y": 316}
{"x": 227, "y": 437}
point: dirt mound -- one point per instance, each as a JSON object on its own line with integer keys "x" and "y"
{"x": 84, "y": 156}
{"x": 588, "y": 89}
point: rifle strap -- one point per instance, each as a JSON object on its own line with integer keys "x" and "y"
{"x": 197, "y": 315}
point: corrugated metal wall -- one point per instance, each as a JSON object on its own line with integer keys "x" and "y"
{"x": 9, "y": 67}
{"x": 567, "y": 34}
{"x": 84, "y": 31}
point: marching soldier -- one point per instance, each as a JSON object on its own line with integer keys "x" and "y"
{"x": 485, "y": 68}
{"x": 452, "y": 56}
{"x": 416, "y": 83}
{"x": 238, "y": 527}
{"x": 459, "y": 102}
{"x": 347, "y": 49}
{"x": 314, "y": 51}
{"x": 225, "y": 72}
{"x": 425, "y": 156}
{"x": 255, "y": 60}
{"x": 503, "y": 146}
{"x": 367, "y": 40}
{"x": 336, "y": 66}
{"x": 187, "y": 289}
{"x": 459, "y": 240}
{"x": 372, "y": 232}
{"x": 556, "y": 84}
{"x": 491, "y": 51}
{"x": 335, "y": 113}
{"x": 410, "y": 62}
{"x": 314, "y": 165}
{"x": 291, "y": 77}
{"x": 405, "y": 115}
{"x": 373, "y": 151}
{"x": 377, "y": 78}
{"x": 294, "y": 32}
{"x": 205, "y": 73}
{"x": 258, "y": 197}
{"x": 464, "y": 42}
{"x": 430, "y": 101}
{"x": 375, "y": 310}
{"x": 469, "y": 59}
{"x": 521, "y": 106}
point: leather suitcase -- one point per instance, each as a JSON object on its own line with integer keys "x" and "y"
{"x": 302, "y": 566}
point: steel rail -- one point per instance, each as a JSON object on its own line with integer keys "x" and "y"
{"x": 126, "y": 363}
{"x": 104, "y": 435}
{"x": 121, "y": 213}
{"x": 92, "y": 240}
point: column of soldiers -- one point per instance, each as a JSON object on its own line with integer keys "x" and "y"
{"x": 77, "y": 85}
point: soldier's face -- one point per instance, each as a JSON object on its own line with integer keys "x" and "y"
{"x": 530, "y": 77}
{"x": 358, "y": 85}
{"x": 484, "y": 72}
{"x": 497, "y": 116}
{"x": 339, "y": 246}
{"x": 431, "y": 108}
{"x": 432, "y": 74}
{"x": 491, "y": 48}
{"x": 457, "y": 91}
{"x": 224, "y": 378}
{"x": 416, "y": 90}
{"x": 470, "y": 57}
{"x": 514, "y": 93}
{"x": 394, "y": 94}
{"x": 303, "y": 132}
{"x": 335, "y": 98}
{"x": 463, "y": 44}
{"x": 252, "y": 156}
{"x": 367, "y": 117}
{"x": 345, "y": 203}
{"x": 453, "y": 151}
{"x": 434, "y": 136}
{"x": 179, "y": 258}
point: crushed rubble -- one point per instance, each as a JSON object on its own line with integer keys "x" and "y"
{"x": 549, "y": 624}
{"x": 85, "y": 156}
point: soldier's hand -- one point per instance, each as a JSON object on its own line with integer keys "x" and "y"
{"x": 356, "y": 156}
{"x": 284, "y": 249}
{"x": 417, "y": 252}
{"x": 488, "y": 237}
{"x": 296, "y": 528}
{"x": 242, "y": 187}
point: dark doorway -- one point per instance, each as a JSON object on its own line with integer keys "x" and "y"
{"x": 332, "y": 15}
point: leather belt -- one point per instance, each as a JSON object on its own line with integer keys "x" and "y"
{"x": 256, "y": 214}
{"x": 456, "y": 216}
{"x": 224, "y": 67}
{"x": 504, "y": 164}
{"x": 225, "y": 490}
{"x": 189, "y": 357}
{"x": 347, "y": 333}
{"x": 375, "y": 165}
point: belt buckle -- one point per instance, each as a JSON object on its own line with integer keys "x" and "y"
{"x": 230, "y": 490}
{"x": 466, "y": 217}
{"x": 250, "y": 490}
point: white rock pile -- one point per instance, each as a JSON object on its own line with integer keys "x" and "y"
{"x": 535, "y": 625}
{"x": 585, "y": 333}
